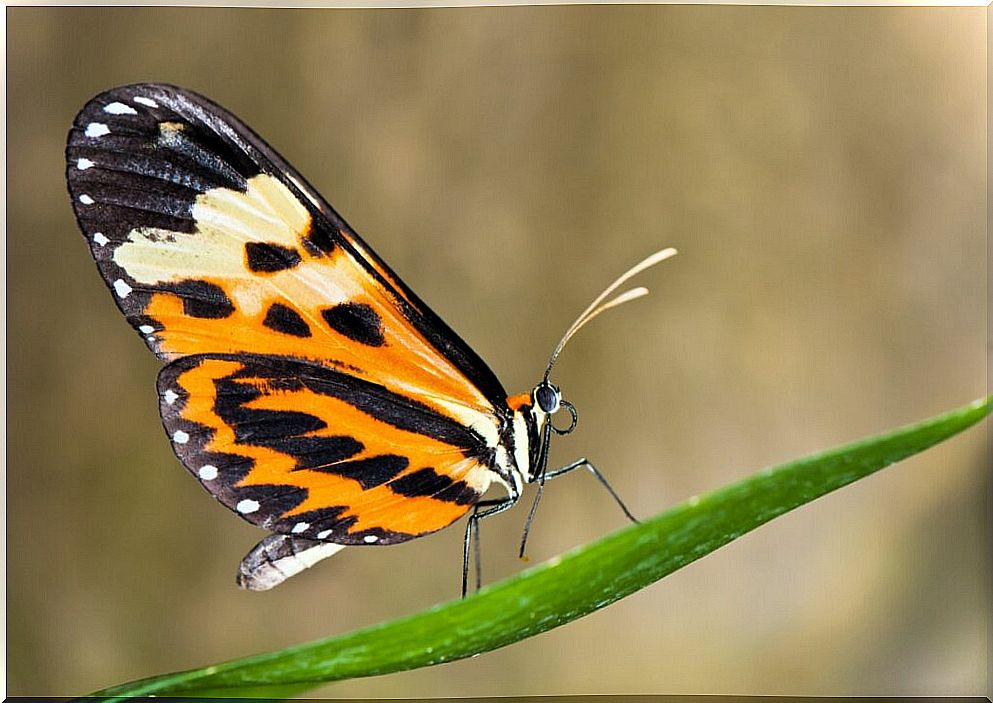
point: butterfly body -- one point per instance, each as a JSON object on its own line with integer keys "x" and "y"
{"x": 307, "y": 388}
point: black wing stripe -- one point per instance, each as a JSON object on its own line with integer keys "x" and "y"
{"x": 181, "y": 152}
{"x": 152, "y": 173}
{"x": 292, "y": 374}
{"x": 426, "y": 482}
{"x": 392, "y": 408}
{"x": 174, "y": 202}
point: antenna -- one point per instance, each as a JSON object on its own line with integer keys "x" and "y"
{"x": 598, "y": 305}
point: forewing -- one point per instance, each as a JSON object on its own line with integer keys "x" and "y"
{"x": 302, "y": 449}
{"x": 213, "y": 244}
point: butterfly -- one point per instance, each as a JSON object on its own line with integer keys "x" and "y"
{"x": 306, "y": 387}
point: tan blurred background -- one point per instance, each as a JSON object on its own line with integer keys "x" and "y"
{"x": 822, "y": 172}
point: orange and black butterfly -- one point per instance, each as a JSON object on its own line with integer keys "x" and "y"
{"x": 307, "y": 387}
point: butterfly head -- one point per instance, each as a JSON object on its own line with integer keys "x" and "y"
{"x": 548, "y": 401}
{"x": 533, "y": 425}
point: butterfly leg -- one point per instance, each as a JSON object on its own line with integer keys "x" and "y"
{"x": 492, "y": 507}
{"x": 584, "y": 462}
{"x": 578, "y": 464}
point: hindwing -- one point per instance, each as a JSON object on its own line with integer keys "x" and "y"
{"x": 299, "y": 448}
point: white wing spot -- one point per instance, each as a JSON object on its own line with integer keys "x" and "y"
{"x": 96, "y": 129}
{"x": 146, "y": 329}
{"x": 122, "y": 289}
{"x": 148, "y": 102}
{"x": 119, "y": 109}
{"x": 85, "y": 199}
{"x": 83, "y": 164}
{"x": 300, "y": 527}
{"x": 207, "y": 472}
{"x": 100, "y": 238}
{"x": 323, "y": 534}
{"x": 180, "y": 437}
{"x": 170, "y": 396}
{"x": 247, "y": 506}
{"x": 370, "y": 539}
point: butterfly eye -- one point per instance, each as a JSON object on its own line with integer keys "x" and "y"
{"x": 548, "y": 397}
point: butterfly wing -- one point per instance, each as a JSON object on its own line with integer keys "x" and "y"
{"x": 235, "y": 270}
{"x": 299, "y": 448}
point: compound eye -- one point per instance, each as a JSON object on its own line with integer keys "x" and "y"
{"x": 548, "y": 397}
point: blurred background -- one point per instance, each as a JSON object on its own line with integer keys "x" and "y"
{"x": 822, "y": 172}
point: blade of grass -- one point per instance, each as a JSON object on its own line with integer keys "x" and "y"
{"x": 564, "y": 588}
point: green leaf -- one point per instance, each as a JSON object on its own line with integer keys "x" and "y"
{"x": 564, "y": 588}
